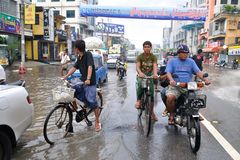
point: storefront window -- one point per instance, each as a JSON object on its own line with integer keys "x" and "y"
{"x": 45, "y": 50}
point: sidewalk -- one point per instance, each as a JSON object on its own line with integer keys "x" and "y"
{"x": 30, "y": 64}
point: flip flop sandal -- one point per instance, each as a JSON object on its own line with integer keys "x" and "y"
{"x": 171, "y": 122}
{"x": 164, "y": 113}
{"x": 98, "y": 128}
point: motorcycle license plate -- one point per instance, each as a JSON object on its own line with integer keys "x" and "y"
{"x": 195, "y": 116}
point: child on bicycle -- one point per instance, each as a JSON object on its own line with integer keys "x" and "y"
{"x": 85, "y": 64}
{"x": 146, "y": 66}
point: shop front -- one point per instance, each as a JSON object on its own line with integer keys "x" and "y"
{"x": 233, "y": 53}
{"x": 9, "y": 38}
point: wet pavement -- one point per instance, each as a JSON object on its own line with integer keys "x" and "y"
{"x": 121, "y": 136}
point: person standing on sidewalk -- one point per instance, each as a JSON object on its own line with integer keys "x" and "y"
{"x": 64, "y": 61}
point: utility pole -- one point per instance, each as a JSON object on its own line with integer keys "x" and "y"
{"x": 21, "y": 67}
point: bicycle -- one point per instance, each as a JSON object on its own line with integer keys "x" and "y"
{"x": 146, "y": 106}
{"x": 58, "y": 122}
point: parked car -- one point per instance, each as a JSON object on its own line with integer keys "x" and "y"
{"x": 16, "y": 114}
{"x": 112, "y": 60}
{"x": 101, "y": 70}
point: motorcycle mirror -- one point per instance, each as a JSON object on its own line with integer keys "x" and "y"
{"x": 175, "y": 76}
{"x": 205, "y": 75}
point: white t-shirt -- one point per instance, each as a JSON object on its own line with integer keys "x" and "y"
{"x": 64, "y": 59}
{"x": 2, "y": 73}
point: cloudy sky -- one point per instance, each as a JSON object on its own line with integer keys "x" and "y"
{"x": 137, "y": 30}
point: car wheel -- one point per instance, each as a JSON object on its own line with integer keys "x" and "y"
{"x": 5, "y": 147}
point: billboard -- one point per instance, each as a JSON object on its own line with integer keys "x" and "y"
{"x": 196, "y": 14}
{"x": 29, "y": 14}
{"x": 9, "y": 23}
{"x": 110, "y": 28}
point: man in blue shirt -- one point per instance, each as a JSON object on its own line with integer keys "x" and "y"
{"x": 184, "y": 68}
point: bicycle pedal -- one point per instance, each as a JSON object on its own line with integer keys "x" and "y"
{"x": 79, "y": 116}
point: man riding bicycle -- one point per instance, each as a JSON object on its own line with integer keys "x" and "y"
{"x": 184, "y": 68}
{"x": 146, "y": 66}
{"x": 85, "y": 64}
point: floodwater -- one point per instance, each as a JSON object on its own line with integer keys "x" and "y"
{"x": 121, "y": 137}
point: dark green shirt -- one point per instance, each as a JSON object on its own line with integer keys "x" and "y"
{"x": 147, "y": 62}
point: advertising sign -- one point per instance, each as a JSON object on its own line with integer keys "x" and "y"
{"x": 46, "y": 23}
{"x": 29, "y": 14}
{"x": 9, "y": 23}
{"x": 110, "y": 28}
{"x": 234, "y": 50}
{"x": 196, "y": 14}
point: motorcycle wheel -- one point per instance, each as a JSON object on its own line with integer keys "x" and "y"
{"x": 194, "y": 134}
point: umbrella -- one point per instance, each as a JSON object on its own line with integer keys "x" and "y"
{"x": 93, "y": 43}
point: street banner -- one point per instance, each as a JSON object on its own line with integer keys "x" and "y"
{"x": 196, "y": 14}
{"x": 9, "y": 23}
{"x": 110, "y": 28}
{"x": 29, "y": 14}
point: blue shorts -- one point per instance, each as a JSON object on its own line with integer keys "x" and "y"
{"x": 86, "y": 94}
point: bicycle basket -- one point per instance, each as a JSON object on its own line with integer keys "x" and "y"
{"x": 63, "y": 94}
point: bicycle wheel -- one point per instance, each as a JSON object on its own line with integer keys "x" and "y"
{"x": 148, "y": 114}
{"x": 91, "y": 114}
{"x": 57, "y": 124}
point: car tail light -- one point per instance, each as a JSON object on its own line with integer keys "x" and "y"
{"x": 29, "y": 100}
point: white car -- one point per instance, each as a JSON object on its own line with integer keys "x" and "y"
{"x": 112, "y": 60}
{"x": 16, "y": 114}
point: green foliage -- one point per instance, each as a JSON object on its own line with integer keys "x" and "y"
{"x": 231, "y": 8}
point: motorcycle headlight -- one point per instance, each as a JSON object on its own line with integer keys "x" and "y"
{"x": 192, "y": 86}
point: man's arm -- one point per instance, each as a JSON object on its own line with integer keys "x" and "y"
{"x": 155, "y": 70}
{"x": 200, "y": 75}
{"x": 140, "y": 74}
{"x": 70, "y": 72}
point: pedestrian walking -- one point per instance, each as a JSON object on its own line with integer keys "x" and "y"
{"x": 64, "y": 61}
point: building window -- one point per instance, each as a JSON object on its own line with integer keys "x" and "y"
{"x": 37, "y": 19}
{"x": 41, "y": 0}
{"x": 223, "y": 1}
{"x": 73, "y": 29}
{"x": 239, "y": 25}
{"x": 70, "y": 14}
{"x": 55, "y": 0}
{"x": 234, "y": 2}
{"x": 216, "y": 26}
{"x": 56, "y": 12}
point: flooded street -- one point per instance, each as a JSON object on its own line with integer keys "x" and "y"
{"x": 121, "y": 136}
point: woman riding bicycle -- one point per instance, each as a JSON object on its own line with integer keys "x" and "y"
{"x": 146, "y": 66}
{"x": 85, "y": 64}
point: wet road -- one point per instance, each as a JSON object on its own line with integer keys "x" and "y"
{"x": 121, "y": 137}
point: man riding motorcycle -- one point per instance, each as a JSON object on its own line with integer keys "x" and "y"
{"x": 123, "y": 60}
{"x": 184, "y": 68}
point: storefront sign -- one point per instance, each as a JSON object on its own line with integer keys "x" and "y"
{"x": 234, "y": 50}
{"x": 46, "y": 23}
{"x": 110, "y": 28}
{"x": 196, "y": 14}
{"x": 9, "y": 23}
{"x": 29, "y": 14}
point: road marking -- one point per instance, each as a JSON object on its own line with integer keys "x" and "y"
{"x": 221, "y": 140}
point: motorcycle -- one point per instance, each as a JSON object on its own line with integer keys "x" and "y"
{"x": 121, "y": 70}
{"x": 222, "y": 63}
{"x": 235, "y": 64}
{"x": 187, "y": 110}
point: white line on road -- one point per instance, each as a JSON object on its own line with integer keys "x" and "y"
{"x": 223, "y": 142}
